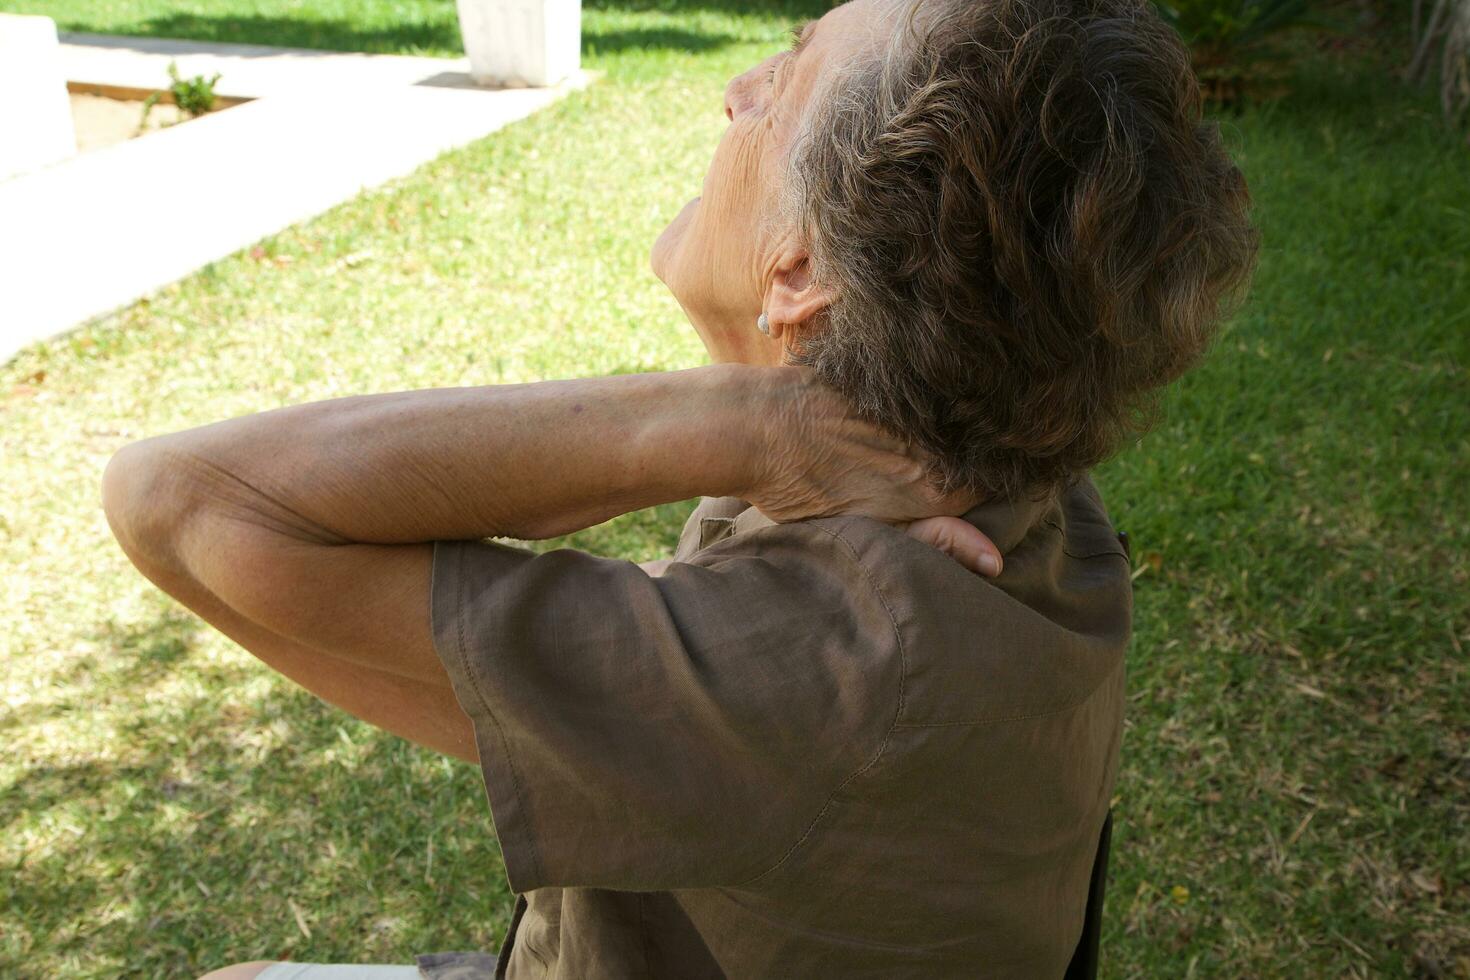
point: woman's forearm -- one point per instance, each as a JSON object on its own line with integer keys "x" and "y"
{"x": 526, "y": 461}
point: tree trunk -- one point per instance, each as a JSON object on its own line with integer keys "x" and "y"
{"x": 1454, "y": 72}
{"x": 1415, "y": 71}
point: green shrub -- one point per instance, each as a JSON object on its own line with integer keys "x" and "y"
{"x": 1230, "y": 40}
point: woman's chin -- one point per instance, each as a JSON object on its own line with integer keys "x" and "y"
{"x": 666, "y": 246}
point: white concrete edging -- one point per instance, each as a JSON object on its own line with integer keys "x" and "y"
{"x": 35, "y": 116}
{"x": 86, "y": 236}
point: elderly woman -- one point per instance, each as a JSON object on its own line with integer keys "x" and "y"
{"x": 945, "y": 252}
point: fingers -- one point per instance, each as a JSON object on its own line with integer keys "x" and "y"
{"x": 961, "y": 540}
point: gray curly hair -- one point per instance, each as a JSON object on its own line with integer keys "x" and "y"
{"x": 1028, "y": 230}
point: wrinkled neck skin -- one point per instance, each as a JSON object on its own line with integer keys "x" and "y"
{"x": 716, "y": 260}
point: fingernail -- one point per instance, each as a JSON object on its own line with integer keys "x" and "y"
{"x": 989, "y": 565}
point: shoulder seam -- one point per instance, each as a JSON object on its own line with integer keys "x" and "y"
{"x": 1071, "y": 554}
{"x": 887, "y": 736}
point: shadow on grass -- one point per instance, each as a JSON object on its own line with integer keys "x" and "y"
{"x": 216, "y": 826}
{"x": 439, "y": 36}
{"x": 595, "y": 42}
{"x": 794, "y": 9}
{"x": 433, "y": 28}
{"x": 141, "y": 653}
{"x": 134, "y": 655}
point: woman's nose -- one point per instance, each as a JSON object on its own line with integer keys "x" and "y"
{"x": 732, "y": 97}
{"x": 738, "y": 94}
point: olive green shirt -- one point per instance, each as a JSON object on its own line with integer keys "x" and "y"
{"x": 815, "y": 749}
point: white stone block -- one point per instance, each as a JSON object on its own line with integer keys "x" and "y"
{"x": 35, "y": 111}
{"x": 521, "y": 42}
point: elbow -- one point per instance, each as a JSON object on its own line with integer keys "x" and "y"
{"x": 143, "y": 503}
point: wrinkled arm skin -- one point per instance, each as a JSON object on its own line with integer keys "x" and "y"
{"x": 304, "y": 533}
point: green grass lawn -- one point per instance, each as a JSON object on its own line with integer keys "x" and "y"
{"x": 1295, "y": 793}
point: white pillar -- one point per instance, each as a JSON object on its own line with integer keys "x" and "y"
{"x": 35, "y": 112}
{"x": 521, "y": 42}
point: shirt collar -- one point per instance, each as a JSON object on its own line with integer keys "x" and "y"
{"x": 1005, "y": 522}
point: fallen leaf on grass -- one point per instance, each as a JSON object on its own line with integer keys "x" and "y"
{"x": 1424, "y": 882}
{"x": 300, "y": 919}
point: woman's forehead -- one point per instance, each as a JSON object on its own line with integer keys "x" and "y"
{"x": 863, "y": 20}
{"x": 847, "y": 30}
{"x": 841, "y": 35}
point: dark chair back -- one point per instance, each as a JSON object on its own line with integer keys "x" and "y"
{"x": 1084, "y": 958}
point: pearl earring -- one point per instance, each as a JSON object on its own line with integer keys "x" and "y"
{"x": 763, "y": 324}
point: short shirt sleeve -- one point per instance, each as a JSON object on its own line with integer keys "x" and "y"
{"x": 685, "y": 730}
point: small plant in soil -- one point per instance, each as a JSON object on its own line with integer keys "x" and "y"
{"x": 194, "y": 96}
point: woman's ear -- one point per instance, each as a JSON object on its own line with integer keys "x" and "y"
{"x": 793, "y": 299}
